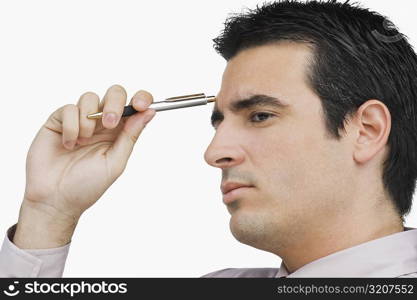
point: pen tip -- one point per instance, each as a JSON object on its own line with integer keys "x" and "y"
{"x": 211, "y": 98}
{"x": 95, "y": 116}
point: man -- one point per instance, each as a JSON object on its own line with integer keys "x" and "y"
{"x": 315, "y": 136}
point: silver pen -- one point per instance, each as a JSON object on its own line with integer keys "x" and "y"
{"x": 167, "y": 104}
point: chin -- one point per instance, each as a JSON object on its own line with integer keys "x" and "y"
{"x": 249, "y": 228}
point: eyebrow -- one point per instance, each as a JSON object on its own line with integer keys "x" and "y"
{"x": 258, "y": 100}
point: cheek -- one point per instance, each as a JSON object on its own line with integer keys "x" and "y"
{"x": 292, "y": 163}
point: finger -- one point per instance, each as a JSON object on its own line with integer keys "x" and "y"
{"x": 114, "y": 102}
{"x": 87, "y": 104}
{"x": 141, "y": 100}
{"x": 122, "y": 148}
{"x": 70, "y": 125}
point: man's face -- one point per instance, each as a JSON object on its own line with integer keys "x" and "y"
{"x": 300, "y": 176}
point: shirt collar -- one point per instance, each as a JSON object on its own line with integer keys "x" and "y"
{"x": 390, "y": 256}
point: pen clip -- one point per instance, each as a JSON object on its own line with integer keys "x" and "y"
{"x": 185, "y": 97}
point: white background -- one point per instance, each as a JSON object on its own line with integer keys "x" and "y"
{"x": 164, "y": 217}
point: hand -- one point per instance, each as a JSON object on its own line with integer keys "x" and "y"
{"x": 74, "y": 160}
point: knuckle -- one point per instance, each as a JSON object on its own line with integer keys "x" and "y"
{"x": 142, "y": 96}
{"x": 133, "y": 138}
{"x": 114, "y": 100}
{"x": 70, "y": 131}
{"x": 89, "y": 96}
{"x": 86, "y": 130}
{"x": 85, "y": 136}
{"x": 69, "y": 106}
{"x": 145, "y": 95}
{"x": 117, "y": 88}
{"x": 69, "y": 110}
{"x": 70, "y": 128}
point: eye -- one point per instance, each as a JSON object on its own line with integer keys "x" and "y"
{"x": 262, "y": 116}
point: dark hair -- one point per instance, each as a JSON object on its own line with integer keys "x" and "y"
{"x": 358, "y": 55}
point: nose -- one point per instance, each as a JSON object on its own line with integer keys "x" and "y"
{"x": 224, "y": 151}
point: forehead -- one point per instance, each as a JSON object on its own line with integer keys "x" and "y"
{"x": 278, "y": 70}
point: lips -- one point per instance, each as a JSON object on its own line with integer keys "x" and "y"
{"x": 229, "y": 186}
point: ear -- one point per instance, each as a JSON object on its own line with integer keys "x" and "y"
{"x": 373, "y": 121}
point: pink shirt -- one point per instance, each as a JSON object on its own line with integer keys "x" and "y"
{"x": 394, "y": 255}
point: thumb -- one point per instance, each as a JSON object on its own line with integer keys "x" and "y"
{"x": 120, "y": 152}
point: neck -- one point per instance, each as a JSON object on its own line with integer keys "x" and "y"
{"x": 340, "y": 235}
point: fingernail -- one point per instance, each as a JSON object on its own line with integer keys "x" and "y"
{"x": 140, "y": 102}
{"x": 110, "y": 118}
{"x": 69, "y": 144}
